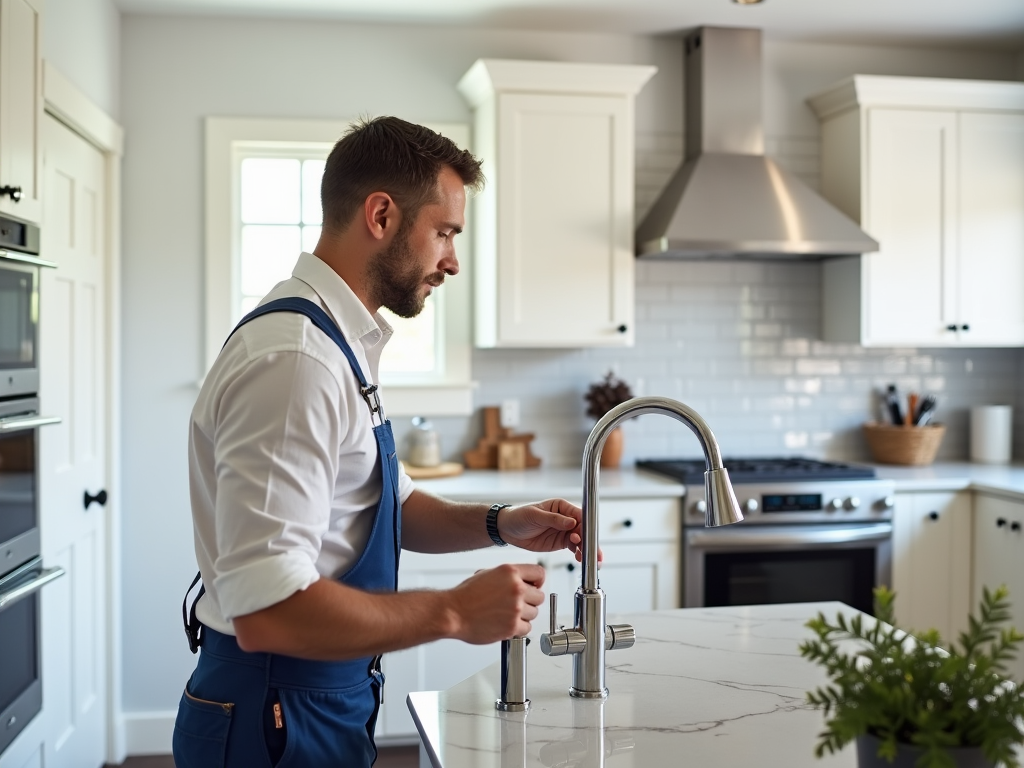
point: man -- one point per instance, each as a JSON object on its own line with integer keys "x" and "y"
{"x": 299, "y": 505}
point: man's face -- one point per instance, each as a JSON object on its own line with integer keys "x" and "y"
{"x": 422, "y": 252}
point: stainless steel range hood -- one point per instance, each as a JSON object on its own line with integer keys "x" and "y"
{"x": 728, "y": 199}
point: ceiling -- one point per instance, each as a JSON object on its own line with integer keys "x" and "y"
{"x": 975, "y": 23}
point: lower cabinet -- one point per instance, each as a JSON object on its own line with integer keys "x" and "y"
{"x": 999, "y": 557}
{"x": 932, "y": 561}
{"x": 640, "y": 541}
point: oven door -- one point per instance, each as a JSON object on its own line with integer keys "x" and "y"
{"x": 758, "y": 564}
{"x": 21, "y": 691}
{"x": 19, "y": 327}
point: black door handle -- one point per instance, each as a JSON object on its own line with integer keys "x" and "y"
{"x": 570, "y": 567}
{"x": 100, "y": 498}
{"x": 950, "y": 327}
{"x": 965, "y": 327}
{"x": 933, "y": 515}
{"x": 1000, "y": 522}
{"x": 622, "y": 328}
{"x": 1014, "y": 526}
{"x": 14, "y": 192}
{"x": 627, "y": 523}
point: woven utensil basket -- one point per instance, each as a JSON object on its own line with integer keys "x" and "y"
{"x": 890, "y": 444}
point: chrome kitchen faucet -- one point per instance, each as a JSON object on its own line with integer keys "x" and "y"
{"x": 591, "y": 636}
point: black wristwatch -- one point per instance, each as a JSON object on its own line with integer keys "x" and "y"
{"x": 492, "y": 524}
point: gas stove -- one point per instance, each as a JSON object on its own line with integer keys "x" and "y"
{"x": 786, "y": 490}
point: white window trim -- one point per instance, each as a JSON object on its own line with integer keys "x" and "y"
{"x": 451, "y": 397}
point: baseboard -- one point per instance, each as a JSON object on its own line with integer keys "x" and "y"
{"x": 148, "y": 733}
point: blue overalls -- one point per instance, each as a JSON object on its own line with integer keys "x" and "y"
{"x": 258, "y": 710}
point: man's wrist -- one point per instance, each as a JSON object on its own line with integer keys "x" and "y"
{"x": 492, "y": 524}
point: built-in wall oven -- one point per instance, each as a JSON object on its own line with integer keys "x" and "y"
{"x": 22, "y": 574}
{"x": 813, "y": 531}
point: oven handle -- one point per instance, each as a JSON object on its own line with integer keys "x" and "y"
{"x": 24, "y": 590}
{"x": 782, "y": 536}
{"x": 26, "y": 259}
{"x": 18, "y": 423}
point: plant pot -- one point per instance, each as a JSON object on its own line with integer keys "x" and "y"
{"x": 611, "y": 455}
{"x": 907, "y": 755}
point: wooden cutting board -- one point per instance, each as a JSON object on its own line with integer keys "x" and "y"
{"x": 444, "y": 469}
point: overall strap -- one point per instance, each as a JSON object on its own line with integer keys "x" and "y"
{"x": 193, "y": 627}
{"x": 323, "y": 321}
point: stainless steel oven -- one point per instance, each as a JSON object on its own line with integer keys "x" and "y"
{"x": 22, "y": 574}
{"x": 813, "y": 531}
{"x": 19, "y": 308}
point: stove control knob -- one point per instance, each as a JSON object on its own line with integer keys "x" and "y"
{"x": 750, "y": 506}
{"x": 852, "y": 503}
{"x": 887, "y": 503}
{"x": 833, "y": 505}
{"x": 700, "y": 507}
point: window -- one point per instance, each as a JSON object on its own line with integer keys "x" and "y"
{"x": 263, "y": 207}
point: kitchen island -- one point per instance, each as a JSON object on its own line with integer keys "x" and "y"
{"x": 701, "y": 687}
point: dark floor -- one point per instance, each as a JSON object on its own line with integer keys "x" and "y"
{"x": 389, "y": 757}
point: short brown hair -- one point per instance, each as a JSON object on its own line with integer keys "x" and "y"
{"x": 390, "y": 155}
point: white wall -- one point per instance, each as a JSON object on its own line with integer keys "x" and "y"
{"x": 177, "y": 71}
{"x": 82, "y": 38}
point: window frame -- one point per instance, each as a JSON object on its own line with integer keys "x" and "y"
{"x": 450, "y": 394}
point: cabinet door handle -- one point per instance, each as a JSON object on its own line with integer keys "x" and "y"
{"x": 570, "y": 567}
{"x": 622, "y": 328}
{"x": 965, "y": 327}
{"x": 1014, "y": 526}
{"x": 627, "y": 523}
{"x": 1000, "y": 522}
{"x": 100, "y": 498}
{"x": 951, "y": 327}
{"x": 933, "y": 515}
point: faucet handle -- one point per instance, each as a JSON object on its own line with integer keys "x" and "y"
{"x": 553, "y": 602}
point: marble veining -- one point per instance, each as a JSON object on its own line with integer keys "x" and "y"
{"x": 707, "y": 686}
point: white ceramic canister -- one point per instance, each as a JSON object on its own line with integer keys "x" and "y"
{"x": 991, "y": 434}
{"x": 424, "y": 444}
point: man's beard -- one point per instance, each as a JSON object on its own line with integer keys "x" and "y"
{"x": 394, "y": 280}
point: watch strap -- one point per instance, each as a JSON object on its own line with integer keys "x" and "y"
{"x": 492, "y": 524}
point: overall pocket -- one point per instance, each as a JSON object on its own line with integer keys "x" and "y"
{"x": 201, "y": 732}
{"x": 327, "y": 729}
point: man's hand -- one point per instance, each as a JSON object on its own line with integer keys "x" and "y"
{"x": 544, "y": 527}
{"x": 498, "y": 603}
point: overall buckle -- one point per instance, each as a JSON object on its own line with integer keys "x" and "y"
{"x": 373, "y": 402}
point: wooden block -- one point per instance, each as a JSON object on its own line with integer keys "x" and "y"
{"x": 511, "y": 455}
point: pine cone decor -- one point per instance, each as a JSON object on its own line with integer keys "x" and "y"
{"x": 605, "y": 395}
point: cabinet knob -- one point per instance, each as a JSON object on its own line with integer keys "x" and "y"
{"x": 622, "y": 328}
{"x": 570, "y": 567}
{"x": 627, "y": 523}
{"x": 951, "y": 327}
{"x": 965, "y": 327}
{"x": 1015, "y": 526}
{"x": 13, "y": 192}
{"x": 933, "y": 515}
{"x": 1000, "y": 522}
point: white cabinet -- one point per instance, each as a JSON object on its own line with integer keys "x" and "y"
{"x": 641, "y": 572}
{"x": 554, "y": 258}
{"x": 932, "y": 561}
{"x": 21, "y": 109}
{"x": 933, "y": 170}
{"x": 999, "y": 557}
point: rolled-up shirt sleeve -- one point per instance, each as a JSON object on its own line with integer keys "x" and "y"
{"x": 279, "y": 424}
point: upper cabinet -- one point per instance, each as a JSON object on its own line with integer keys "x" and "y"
{"x": 554, "y": 263}
{"x": 933, "y": 170}
{"x": 21, "y": 109}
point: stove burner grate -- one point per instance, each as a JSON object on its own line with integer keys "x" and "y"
{"x": 760, "y": 470}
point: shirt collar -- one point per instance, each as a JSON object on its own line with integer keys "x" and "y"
{"x": 353, "y": 318}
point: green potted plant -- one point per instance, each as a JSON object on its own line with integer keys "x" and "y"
{"x": 601, "y": 397}
{"x": 908, "y": 702}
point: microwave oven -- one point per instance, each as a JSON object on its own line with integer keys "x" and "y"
{"x": 19, "y": 307}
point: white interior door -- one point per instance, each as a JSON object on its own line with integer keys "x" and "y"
{"x": 73, "y": 385}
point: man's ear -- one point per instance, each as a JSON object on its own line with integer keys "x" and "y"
{"x": 381, "y": 215}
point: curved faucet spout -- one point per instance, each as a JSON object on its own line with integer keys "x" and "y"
{"x": 723, "y": 508}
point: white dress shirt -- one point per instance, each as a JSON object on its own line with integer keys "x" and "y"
{"x": 283, "y": 466}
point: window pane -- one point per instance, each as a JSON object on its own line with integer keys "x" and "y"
{"x": 310, "y": 237}
{"x": 268, "y": 257}
{"x": 312, "y": 173}
{"x": 270, "y": 191}
{"x": 412, "y": 348}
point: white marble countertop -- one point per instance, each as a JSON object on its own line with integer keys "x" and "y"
{"x": 701, "y": 687}
{"x": 949, "y": 476}
{"x": 533, "y": 484}
{"x": 490, "y": 485}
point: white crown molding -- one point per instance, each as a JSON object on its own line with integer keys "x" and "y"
{"x": 488, "y": 76}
